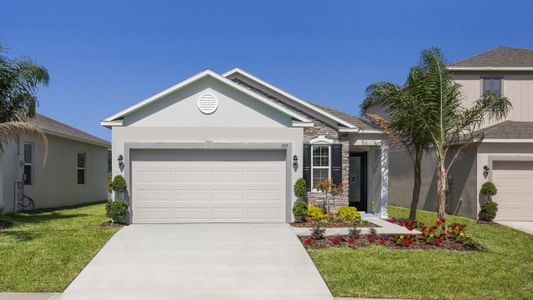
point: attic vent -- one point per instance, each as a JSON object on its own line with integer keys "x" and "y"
{"x": 207, "y": 103}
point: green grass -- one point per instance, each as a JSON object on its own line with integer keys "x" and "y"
{"x": 505, "y": 271}
{"x": 44, "y": 251}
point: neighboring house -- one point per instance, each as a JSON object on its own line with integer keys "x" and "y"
{"x": 75, "y": 170}
{"x": 506, "y": 154}
{"x": 228, "y": 148}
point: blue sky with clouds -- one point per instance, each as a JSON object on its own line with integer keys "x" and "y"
{"x": 106, "y": 55}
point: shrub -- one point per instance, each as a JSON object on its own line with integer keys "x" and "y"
{"x": 1, "y": 208}
{"x": 299, "y": 210}
{"x": 488, "y": 211}
{"x": 317, "y": 233}
{"x": 373, "y": 231}
{"x": 109, "y": 185}
{"x": 300, "y": 188}
{"x": 117, "y": 210}
{"x": 354, "y": 232}
{"x": 349, "y": 214}
{"x": 119, "y": 184}
{"x": 489, "y": 189}
{"x": 315, "y": 213}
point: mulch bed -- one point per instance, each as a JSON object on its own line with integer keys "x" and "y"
{"x": 386, "y": 241}
{"x": 5, "y": 224}
{"x": 311, "y": 224}
{"x": 111, "y": 224}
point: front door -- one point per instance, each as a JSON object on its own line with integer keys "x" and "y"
{"x": 358, "y": 181}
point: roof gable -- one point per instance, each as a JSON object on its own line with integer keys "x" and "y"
{"x": 110, "y": 121}
{"x": 499, "y": 58}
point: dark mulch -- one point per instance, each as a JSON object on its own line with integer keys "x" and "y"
{"x": 111, "y": 224}
{"x": 484, "y": 222}
{"x": 332, "y": 225}
{"x": 387, "y": 241}
{"x": 5, "y": 224}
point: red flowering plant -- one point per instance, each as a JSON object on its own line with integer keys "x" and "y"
{"x": 327, "y": 187}
{"x": 352, "y": 240}
{"x": 336, "y": 240}
{"x": 406, "y": 240}
{"x": 309, "y": 240}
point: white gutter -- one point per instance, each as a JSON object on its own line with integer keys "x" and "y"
{"x": 490, "y": 68}
{"x": 507, "y": 141}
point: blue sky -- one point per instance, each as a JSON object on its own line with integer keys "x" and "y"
{"x": 106, "y": 55}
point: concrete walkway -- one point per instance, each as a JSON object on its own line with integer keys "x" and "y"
{"x": 526, "y": 227}
{"x": 384, "y": 228}
{"x": 204, "y": 261}
{"x": 28, "y": 296}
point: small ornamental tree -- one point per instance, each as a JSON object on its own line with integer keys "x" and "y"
{"x": 300, "y": 189}
{"x": 119, "y": 186}
{"x": 489, "y": 189}
{"x": 490, "y": 208}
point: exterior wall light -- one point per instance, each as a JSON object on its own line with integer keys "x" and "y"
{"x": 295, "y": 161}
{"x": 120, "y": 160}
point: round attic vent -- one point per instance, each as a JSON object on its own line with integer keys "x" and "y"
{"x": 207, "y": 103}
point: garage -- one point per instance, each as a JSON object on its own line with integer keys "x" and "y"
{"x": 204, "y": 186}
{"x": 514, "y": 180}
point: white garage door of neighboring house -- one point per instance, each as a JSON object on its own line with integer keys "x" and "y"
{"x": 183, "y": 186}
{"x": 514, "y": 181}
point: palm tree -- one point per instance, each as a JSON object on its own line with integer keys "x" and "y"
{"x": 442, "y": 115}
{"x": 19, "y": 80}
{"x": 398, "y": 103}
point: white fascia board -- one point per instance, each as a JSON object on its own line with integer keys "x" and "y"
{"x": 507, "y": 141}
{"x": 292, "y": 97}
{"x": 110, "y": 124}
{"x": 353, "y": 130}
{"x": 302, "y": 124}
{"x": 199, "y": 76}
{"x": 490, "y": 68}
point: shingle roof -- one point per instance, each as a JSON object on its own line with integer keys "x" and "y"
{"x": 357, "y": 121}
{"x": 510, "y": 130}
{"x": 499, "y": 57}
{"x": 52, "y": 126}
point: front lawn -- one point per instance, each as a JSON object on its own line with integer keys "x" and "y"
{"x": 505, "y": 271}
{"x": 44, "y": 251}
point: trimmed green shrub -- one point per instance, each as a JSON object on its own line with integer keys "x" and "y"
{"x": 119, "y": 184}
{"x": 109, "y": 185}
{"x": 488, "y": 211}
{"x": 300, "y": 188}
{"x": 117, "y": 210}
{"x": 349, "y": 214}
{"x": 489, "y": 189}
{"x": 354, "y": 232}
{"x": 299, "y": 210}
{"x": 1, "y": 208}
{"x": 315, "y": 213}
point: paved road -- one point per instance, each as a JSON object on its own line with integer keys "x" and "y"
{"x": 204, "y": 261}
{"x": 522, "y": 226}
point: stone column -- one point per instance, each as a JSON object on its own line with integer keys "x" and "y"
{"x": 384, "y": 182}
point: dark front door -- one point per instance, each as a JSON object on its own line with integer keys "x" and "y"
{"x": 358, "y": 181}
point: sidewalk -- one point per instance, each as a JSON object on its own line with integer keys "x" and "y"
{"x": 28, "y": 296}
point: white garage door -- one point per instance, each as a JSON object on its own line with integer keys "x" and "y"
{"x": 514, "y": 180}
{"x": 178, "y": 186}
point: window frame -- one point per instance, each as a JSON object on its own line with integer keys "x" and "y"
{"x": 491, "y": 77}
{"x": 328, "y": 167}
{"x": 84, "y": 168}
{"x": 30, "y": 164}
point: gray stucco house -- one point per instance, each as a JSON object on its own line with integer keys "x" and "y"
{"x": 75, "y": 170}
{"x": 229, "y": 147}
{"x": 504, "y": 157}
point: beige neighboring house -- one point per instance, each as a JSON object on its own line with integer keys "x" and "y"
{"x": 506, "y": 154}
{"x": 75, "y": 171}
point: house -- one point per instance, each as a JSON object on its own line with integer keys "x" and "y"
{"x": 504, "y": 157}
{"x": 229, "y": 148}
{"x": 75, "y": 170}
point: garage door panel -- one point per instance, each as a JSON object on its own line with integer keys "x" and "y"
{"x": 514, "y": 180}
{"x": 227, "y": 186}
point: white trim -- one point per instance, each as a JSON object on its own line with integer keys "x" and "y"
{"x": 112, "y": 123}
{"x": 292, "y": 97}
{"x": 490, "y": 68}
{"x": 321, "y": 139}
{"x": 199, "y": 76}
{"x": 302, "y": 124}
{"x": 353, "y": 130}
{"x": 384, "y": 180}
{"x": 507, "y": 141}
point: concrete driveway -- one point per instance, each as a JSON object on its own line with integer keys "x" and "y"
{"x": 204, "y": 261}
{"x": 519, "y": 225}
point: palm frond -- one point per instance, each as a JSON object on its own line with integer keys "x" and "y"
{"x": 10, "y": 131}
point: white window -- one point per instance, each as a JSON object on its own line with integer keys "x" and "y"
{"x": 320, "y": 163}
{"x": 28, "y": 164}
{"x": 81, "y": 168}
{"x": 493, "y": 85}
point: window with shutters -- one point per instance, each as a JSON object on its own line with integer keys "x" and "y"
{"x": 320, "y": 163}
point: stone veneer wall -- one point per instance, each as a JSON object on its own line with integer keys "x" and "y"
{"x": 319, "y": 129}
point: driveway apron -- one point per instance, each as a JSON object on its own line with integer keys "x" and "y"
{"x": 201, "y": 261}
